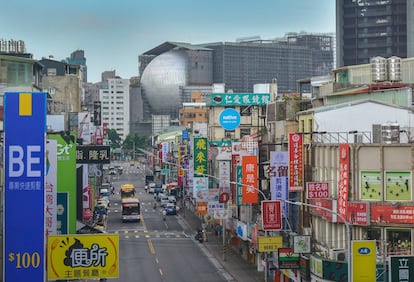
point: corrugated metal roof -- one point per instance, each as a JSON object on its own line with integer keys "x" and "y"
{"x": 169, "y": 45}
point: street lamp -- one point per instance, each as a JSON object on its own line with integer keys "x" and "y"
{"x": 348, "y": 231}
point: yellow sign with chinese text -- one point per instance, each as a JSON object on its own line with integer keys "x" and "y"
{"x": 83, "y": 256}
{"x": 270, "y": 244}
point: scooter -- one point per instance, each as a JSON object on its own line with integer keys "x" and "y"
{"x": 199, "y": 236}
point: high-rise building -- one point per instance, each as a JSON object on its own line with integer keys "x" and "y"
{"x": 114, "y": 97}
{"x": 369, "y": 28}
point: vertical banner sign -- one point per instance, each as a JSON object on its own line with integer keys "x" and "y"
{"x": 343, "y": 180}
{"x": 165, "y": 150}
{"x": 51, "y": 188}
{"x": 364, "y": 260}
{"x": 66, "y": 181}
{"x": 278, "y": 172}
{"x": 200, "y": 156}
{"x": 239, "y": 191}
{"x": 24, "y": 183}
{"x": 401, "y": 268}
{"x": 182, "y": 161}
{"x": 271, "y": 215}
{"x": 97, "y": 116}
{"x": 224, "y": 176}
{"x": 249, "y": 179}
{"x": 295, "y": 162}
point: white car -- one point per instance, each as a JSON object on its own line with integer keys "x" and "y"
{"x": 172, "y": 199}
{"x": 164, "y": 201}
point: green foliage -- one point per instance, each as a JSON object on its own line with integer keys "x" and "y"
{"x": 139, "y": 140}
{"x": 114, "y": 138}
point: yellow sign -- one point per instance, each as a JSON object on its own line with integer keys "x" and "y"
{"x": 363, "y": 260}
{"x": 83, "y": 256}
{"x": 270, "y": 244}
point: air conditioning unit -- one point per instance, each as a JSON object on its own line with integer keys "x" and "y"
{"x": 337, "y": 254}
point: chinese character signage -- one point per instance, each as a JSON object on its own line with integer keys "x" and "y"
{"x": 390, "y": 214}
{"x": 295, "y": 162}
{"x": 83, "y": 257}
{"x": 240, "y": 99}
{"x": 249, "y": 179}
{"x": 317, "y": 190}
{"x": 358, "y": 213}
{"x": 271, "y": 215}
{"x": 93, "y": 155}
{"x": 24, "y": 186}
{"x": 401, "y": 269}
{"x": 182, "y": 160}
{"x": 51, "y": 188}
{"x": 278, "y": 173}
{"x": 343, "y": 186}
{"x": 200, "y": 156}
{"x": 269, "y": 244}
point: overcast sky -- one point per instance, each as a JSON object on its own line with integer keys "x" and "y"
{"x": 114, "y": 33}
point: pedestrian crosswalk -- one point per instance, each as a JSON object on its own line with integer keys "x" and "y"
{"x": 154, "y": 234}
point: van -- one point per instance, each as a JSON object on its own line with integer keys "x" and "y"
{"x": 164, "y": 201}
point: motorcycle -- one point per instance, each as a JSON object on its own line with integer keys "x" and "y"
{"x": 199, "y": 236}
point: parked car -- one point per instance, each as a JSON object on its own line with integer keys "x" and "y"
{"x": 171, "y": 209}
{"x": 159, "y": 196}
{"x": 151, "y": 187}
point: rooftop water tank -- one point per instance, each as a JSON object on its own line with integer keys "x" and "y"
{"x": 378, "y": 69}
{"x": 394, "y": 69}
{"x": 390, "y": 133}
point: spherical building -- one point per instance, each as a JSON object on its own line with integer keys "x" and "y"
{"x": 161, "y": 80}
{"x": 166, "y": 69}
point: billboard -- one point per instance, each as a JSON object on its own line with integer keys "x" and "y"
{"x": 24, "y": 186}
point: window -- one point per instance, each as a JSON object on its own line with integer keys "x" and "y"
{"x": 245, "y": 111}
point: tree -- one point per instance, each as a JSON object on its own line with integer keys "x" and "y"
{"x": 114, "y": 138}
{"x": 135, "y": 140}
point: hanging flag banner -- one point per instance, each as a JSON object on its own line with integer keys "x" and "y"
{"x": 250, "y": 194}
{"x": 295, "y": 162}
{"x": 343, "y": 186}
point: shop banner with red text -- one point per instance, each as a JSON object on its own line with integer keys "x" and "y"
{"x": 343, "y": 186}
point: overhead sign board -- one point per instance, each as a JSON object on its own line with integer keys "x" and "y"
{"x": 24, "y": 183}
{"x": 240, "y": 99}
{"x": 93, "y": 155}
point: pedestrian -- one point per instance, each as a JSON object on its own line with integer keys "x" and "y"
{"x": 164, "y": 214}
{"x": 146, "y": 188}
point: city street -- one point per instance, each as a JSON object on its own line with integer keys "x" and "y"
{"x": 154, "y": 249}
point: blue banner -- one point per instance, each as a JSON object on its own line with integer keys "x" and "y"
{"x": 24, "y": 166}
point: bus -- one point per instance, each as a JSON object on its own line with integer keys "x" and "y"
{"x": 127, "y": 191}
{"x": 131, "y": 209}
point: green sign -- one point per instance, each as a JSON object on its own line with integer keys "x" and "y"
{"x": 401, "y": 268}
{"x": 240, "y": 99}
{"x": 200, "y": 156}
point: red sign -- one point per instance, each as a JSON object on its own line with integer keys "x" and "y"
{"x": 343, "y": 186}
{"x": 327, "y": 204}
{"x": 317, "y": 190}
{"x": 390, "y": 214}
{"x": 358, "y": 213}
{"x": 295, "y": 162}
{"x": 224, "y": 197}
{"x": 250, "y": 194}
{"x": 271, "y": 215}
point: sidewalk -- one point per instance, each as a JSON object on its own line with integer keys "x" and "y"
{"x": 234, "y": 268}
